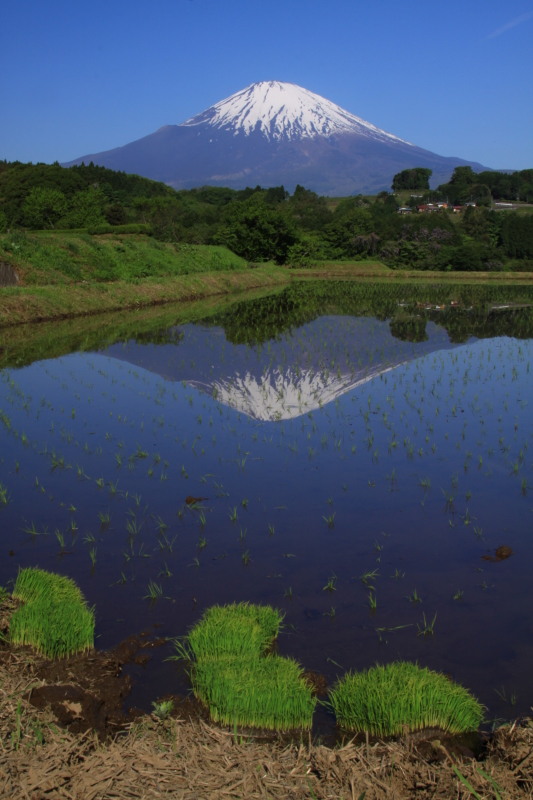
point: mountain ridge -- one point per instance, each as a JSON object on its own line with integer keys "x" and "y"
{"x": 274, "y": 133}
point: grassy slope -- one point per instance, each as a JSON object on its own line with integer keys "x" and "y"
{"x": 65, "y": 275}
{"x": 63, "y": 258}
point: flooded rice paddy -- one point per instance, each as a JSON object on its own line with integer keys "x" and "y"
{"x": 360, "y": 461}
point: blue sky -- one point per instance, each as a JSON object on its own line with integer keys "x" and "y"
{"x": 453, "y": 77}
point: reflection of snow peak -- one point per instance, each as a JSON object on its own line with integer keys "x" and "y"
{"x": 283, "y": 395}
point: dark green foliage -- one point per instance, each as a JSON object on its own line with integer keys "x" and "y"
{"x": 416, "y": 178}
{"x": 401, "y": 697}
{"x": 517, "y": 236}
{"x": 257, "y": 232}
{"x": 269, "y": 224}
{"x": 17, "y": 181}
{"x": 465, "y": 184}
{"x": 43, "y": 207}
{"x": 54, "y": 617}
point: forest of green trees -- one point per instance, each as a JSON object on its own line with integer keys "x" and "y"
{"x": 270, "y": 224}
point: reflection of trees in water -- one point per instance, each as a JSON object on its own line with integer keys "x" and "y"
{"x": 257, "y": 321}
{"x": 409, "y": 328}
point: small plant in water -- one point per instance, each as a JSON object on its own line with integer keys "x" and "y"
{"x": 426, "y": 629}
{"x": 414, "y": 598}
{"x": 162, "y": 709}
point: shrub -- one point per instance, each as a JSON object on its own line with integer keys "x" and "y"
{"x": 54, "y": 617}
{"x": 402, "y": 697}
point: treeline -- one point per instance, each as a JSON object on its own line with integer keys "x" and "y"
{"x": 269, "y": 224}
{"x": 479, "y": 187}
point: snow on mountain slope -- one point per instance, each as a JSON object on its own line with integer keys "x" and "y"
{"x": 285, "y": 111}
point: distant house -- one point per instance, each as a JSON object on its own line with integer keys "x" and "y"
{"x": 472, "y": 205}
{"x": 457, "y": 209}
{"x": 405, "y": 210}
{"x": 427, "y": 208}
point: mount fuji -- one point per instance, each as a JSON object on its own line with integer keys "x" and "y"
{"x": 274, "y": 133}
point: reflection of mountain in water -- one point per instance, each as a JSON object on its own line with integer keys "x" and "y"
{"x": 286, "y": 377}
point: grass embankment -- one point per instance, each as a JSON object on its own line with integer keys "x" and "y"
{"x": 53, "y": 617}
{"x": 67, "y": 275}
{"x": 376, "y": 271}
{"x": 64, "y": 274}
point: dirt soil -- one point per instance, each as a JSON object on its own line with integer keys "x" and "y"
{"x": 63, "y": 734}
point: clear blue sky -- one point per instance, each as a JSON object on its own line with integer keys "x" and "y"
{"x": 454, "y": 77}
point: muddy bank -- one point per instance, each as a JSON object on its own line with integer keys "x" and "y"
{"x": 191, "y": 760}
{"x": 64, "y": 734}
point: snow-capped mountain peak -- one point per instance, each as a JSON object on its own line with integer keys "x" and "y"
{"x": 285, "y": 111}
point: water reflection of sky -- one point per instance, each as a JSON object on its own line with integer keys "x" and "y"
{"x": 377, "y": 458}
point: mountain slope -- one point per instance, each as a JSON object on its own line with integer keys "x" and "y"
{"x": 274, "y": 133}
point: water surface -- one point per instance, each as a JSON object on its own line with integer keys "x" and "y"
{"x": 331, "y": 437}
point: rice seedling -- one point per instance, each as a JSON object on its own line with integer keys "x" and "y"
{"x": 390, "y": 700}
{"x": 246, "y": 558}
{"x": 165, "y": 572}
{"x": 330, "y": 520}
{"x": 414, "y": 598}
{"x": 265, "y": 692}
{"x": 54, "y": 617}
{"x": 155, "y": 591}
{"x": 3, "y": 495}
{"x": 426, "y": 628}
{"x": 331, "y": 585}
{"x": 367, "y": 577}
{"x": 233, "y": 515}
{"x": 162, "y": 709}
{"x": 104, "y": 520}
{"x": 92, "y": 553}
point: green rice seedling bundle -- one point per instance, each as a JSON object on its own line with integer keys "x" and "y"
{"x": 402, "y": 697}
{"x": 264, "y": 692}
{"x": 54, "y": 617}
{"x": 233, "y": 675}
{"x": 242, "y": 629}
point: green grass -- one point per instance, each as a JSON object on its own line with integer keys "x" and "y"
{"x": 53, "y": 257}
{"x": 54, "y": 617}
{"x": 402, "y": 697}
{"x": 261, "y": 693}
{"x": 234, "y": 676}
